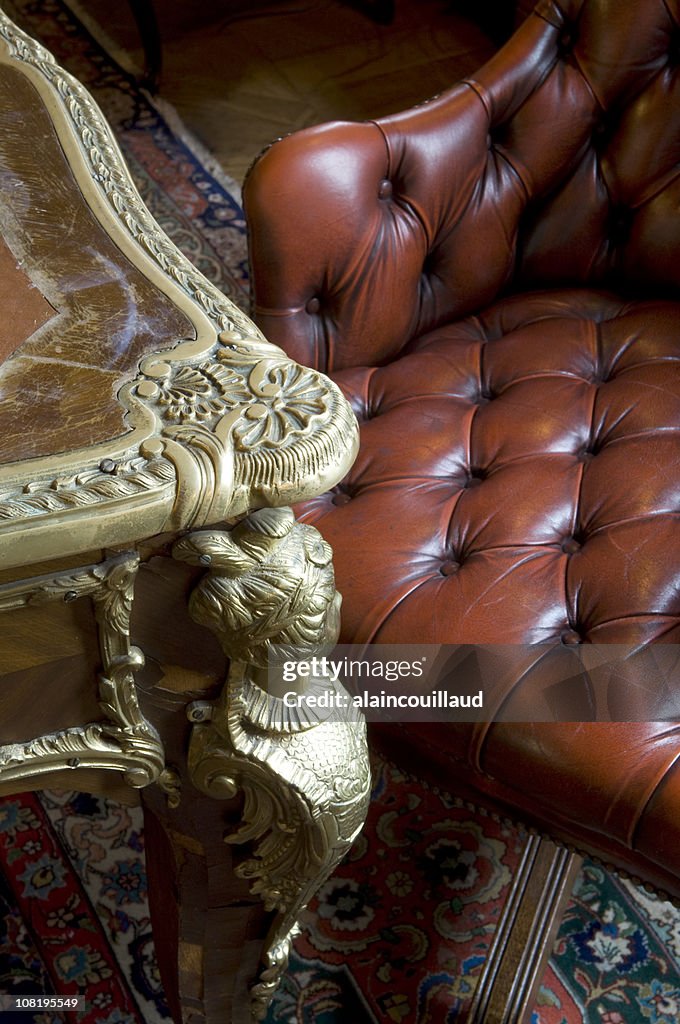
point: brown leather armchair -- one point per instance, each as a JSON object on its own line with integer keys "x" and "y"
{"x": 492, "y": 279}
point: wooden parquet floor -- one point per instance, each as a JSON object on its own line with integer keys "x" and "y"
{"x": 242, "y": 74}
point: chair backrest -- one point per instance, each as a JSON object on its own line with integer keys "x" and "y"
{"x": 557, "y": 164}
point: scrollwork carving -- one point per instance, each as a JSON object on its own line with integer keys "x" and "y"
{"x": 270, "y": 597}
{"x": 275, "y": 399}
{"x": 265, "y": 431}
{"x": 125, "y": 741}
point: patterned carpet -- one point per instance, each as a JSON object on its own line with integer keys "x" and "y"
{"x": 398, "y": 934}
{"x": 400, "y": 931}
{"x": 73, "y": 912}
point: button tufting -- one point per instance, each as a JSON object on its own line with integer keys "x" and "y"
{"x": 385, "y": 189}
{"x": 497, "y": 135}
{"x": 570, "y": 545}
{"x": 567, "y": 40}
{"x": 570, "y": 637}
{"x": 313, "y": 305}
{"x": 674, "y": 50}
{"x": 602, "y": 133}
{"x": 620, "y": 224}
{"x": 449, "y": 567}
{"x": 474, "y": 478}
{"x": 342, "y": 498}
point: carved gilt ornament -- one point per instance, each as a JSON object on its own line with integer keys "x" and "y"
{"x": 269, "y": 596}
{"x": 219, "y": 423}
{"x": 123, "y": 740}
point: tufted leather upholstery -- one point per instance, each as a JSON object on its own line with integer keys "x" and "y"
{"x": 493, "y": 278}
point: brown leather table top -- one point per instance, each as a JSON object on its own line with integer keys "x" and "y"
{"x": 135, "y": 398}
{"x": 77, "y": 316}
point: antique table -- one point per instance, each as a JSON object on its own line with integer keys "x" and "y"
{"x": 139, "y": 408}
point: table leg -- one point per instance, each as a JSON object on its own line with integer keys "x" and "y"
{"x": 302, "y": 779}
{"x": 208, "y": 929}
{"x": 147, "y": 24}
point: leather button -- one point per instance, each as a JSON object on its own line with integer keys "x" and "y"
{"x": 341, "y": 499}
{"x": 570, "y": 546}
{"x": 570, "y": 637}
{"x": 567, "y": 40}
{"x": 385, "y": 189}
{"x": 313, "y": 305}
{"x": 449, "y": 568}
{"x": 620, "y": 224}
{"x": 674, "y": 50}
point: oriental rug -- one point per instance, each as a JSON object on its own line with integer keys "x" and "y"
{"x": 400, "y": 931}
{"x": 398, "y": 934}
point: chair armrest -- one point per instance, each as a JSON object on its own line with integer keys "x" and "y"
{"x": 364, "y": 234}
{"x": 554, "y": 165}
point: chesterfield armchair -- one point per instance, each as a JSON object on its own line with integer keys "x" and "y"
{"x": 492, "y": 280}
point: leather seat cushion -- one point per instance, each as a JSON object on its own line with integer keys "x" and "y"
{"x": 518, "y": 484}
{"x": 517, "y": 480}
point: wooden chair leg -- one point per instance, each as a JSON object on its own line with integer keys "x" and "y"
{"x": 508, "y": 985}
{"x": 380, "y": 11}
{"x": 147, "y": 25}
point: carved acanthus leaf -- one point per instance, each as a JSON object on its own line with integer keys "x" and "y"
{"x": 277, "y": 400}
{"x": 269, "y": 596}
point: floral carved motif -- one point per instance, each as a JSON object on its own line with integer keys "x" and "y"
{"x": 276, "y": 399}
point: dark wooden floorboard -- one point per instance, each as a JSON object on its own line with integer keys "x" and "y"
{"x": 241, "y": 74}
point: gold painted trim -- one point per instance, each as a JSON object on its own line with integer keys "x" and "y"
{"x": 124, "y": 741}
{"x": 269, "y": 596}
{"x": 164, "y": 474}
